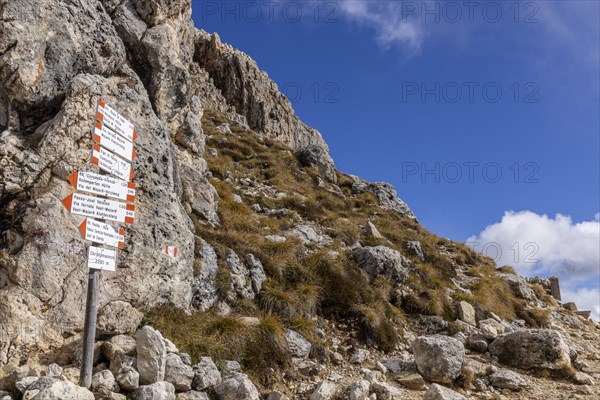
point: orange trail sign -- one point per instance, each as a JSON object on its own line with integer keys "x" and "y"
{"x": 113, "y": 142}
{"x": 98, "y": 232}
{"x": 97, "y": 207}
{"x": 112, "y": 164}
{"x": 110, "y": 117}
{"x": 171, "y": 251}
{"x": 103, "y": 185}
{"x": 99, "y": 258}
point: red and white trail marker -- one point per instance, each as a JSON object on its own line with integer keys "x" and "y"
{"x": 113, "y": 141}
{"x": 99, "y": 258}
{"x": 110, "y": 117}
{"x": 103, "y": 185}
{"x": 110, "y": 163}
{"x": 97, "y": 207}
{"x": 102, "y": 233}
{"x": 171, "y": 251}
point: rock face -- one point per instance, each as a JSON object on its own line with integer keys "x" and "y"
{"x": 438, "y": 358}
{"x": 532, "y": 349}
{"x": 57, "y": 61}
{"x": 385, "y": 193}
{"x": 381, "y": 261}
{"x": 318, "y": 156}
{"x": 49, "y": 388}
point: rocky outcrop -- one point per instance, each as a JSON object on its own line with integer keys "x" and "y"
{"x": 381, "y": 261}
{"x": 542, "y": 349}
{"x": 385, "y": 193}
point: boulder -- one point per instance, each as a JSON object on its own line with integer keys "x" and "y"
{"x": 206, "y": 374}
{"x": 155, "y": 391}
{"x": 438, "y": 358}
{"x": 437, "y": 392}
{"x": 192, "y": 395}
{"x": 54, "y": 370}
{"x": 204, "y": 291}
{"x": 179, "y": 374}
{"x": 50, "y": 388}
{"x": 381, "y": 261}
{"x": 490, "y": 328}
{"x": 298, "y": 345}
{"x": 275, "y": 395}
{"x": 411, "y": 381}
{"x": 257, "y": 272}
{"x": 151, "y": 356}
{"x": 505, "y": 379}
{"x": 385, "y": 391}
{"x": 532, "y": 349}
{"x": 325, "y": 390}
{"x": 414, "y": 247}
{"x": 230, "y": 368}
{"x": 372, "y": 231}
{"x": 241, "y": 284}
{"x": 238, "y": 387}
{"x": 104, "y": 381}
{"x": 477, "y": 342}
{"x": 128, "y": 378}
{"x": 520, "y": 286}
{"x": 359, "y": 356}
{"x": 385, "y": 193}
{"x": 124, "y": 344}
{"x": 359, "y": 390}
{"x": 466, "y": 312}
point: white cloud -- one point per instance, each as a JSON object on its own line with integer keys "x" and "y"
{"x": 387, "y": 20}
{"x": 537, "y": 245}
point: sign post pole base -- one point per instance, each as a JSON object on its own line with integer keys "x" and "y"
{"x": 89, "y": 332}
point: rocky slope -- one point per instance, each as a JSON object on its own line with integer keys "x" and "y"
{"x": 311, "y": 280}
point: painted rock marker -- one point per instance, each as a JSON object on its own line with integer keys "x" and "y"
{"x": 110, "y": 117}
{"x": 113, "y": 142}
{"x": 97, "y": 207}
{"x": 110, "y": 163}
{"x": 103, "y": 185}
{"x": 171, "y": 251}
{"x": 104, "y": 259}
{"x": 101, "y": 233}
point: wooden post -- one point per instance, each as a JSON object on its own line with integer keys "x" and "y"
{"x": 89, "y": 330}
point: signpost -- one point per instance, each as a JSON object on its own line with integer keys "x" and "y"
{"x": 102, "y": 233}
{"x": 113, "y": 142}
{"x": 99, "y": 258}
{"x": 112, "y": 152}
{"x": 98, "y": 207}
{"x": 110, "y": 163}
{"x": 103, "y": 185}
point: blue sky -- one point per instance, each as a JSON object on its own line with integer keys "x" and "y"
{"x": 439, "y": 98}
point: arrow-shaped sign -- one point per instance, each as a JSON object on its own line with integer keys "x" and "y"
{"x": 99, "y": 232}
{"x": 97, "y": 207}
{"x": 110, "y": 117}
{"x": 99, "y": 258}
{"x": 110, "y": 163}
{"x": 113, "y": 142}
{"x": 103, "y": 185}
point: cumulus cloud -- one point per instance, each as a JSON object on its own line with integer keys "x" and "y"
{"x": 386, "y": 18}
{"x": 538, "y": 245}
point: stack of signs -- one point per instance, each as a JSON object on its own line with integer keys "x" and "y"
{"x": 109, "y": 197}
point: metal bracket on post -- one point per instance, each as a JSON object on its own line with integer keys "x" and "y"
{"x": 89, "y": 330}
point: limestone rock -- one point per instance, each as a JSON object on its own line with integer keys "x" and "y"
{"x": 414, "y": 247}
{"x": 325, "y": 390}
{"x": 204, "y": 291}
{"x": 238, "y": 387}
{"x": 372, "y": 231}
{"x": 156, "y": 11}
{"x": 505, "y": 379}
{"x": 359, "y": 356}
{"x": 156, "y": 391}
{"x": 299, "y": 346}
{"x": 411, "y": 381}
{"x": 179, "y": 374}
{"x": 123, "y": 344}
{"x": 151, "y": 356}
{"x": 50, "y": 388}
{"x": 532, "y": 349}
{"x": 192, "y": 395}
{"x": 438, "y": 358}
{"x": 257, "y": 272}
{"x": 317, "y": 156}
{"x": 275, "y": 395}
{"x": 385, "y": 193}
{"x": 466, "y": 312}
{"x": 104, "y": 380}
{"x": 118, "y": 317}
{"x": 359, "y": 390}
{"x": 381, "y": 261}
{"x": 241, "y": 283}
{"x": 206, "y": 374}
{"x": 385, "y": 391}
{"x": 477, "y": 342}
{"x": 128, "y": 378}
{"x": 437, "y": 392}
